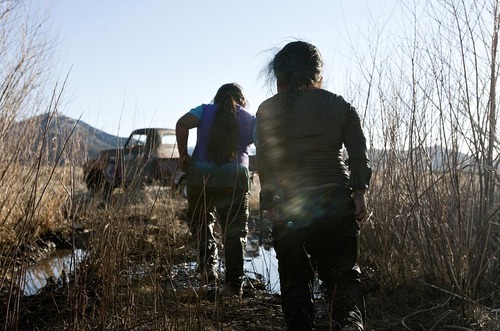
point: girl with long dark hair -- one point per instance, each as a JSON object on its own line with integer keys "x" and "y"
{"x": 218, "y": 181}
{"x": 315, "y": 198}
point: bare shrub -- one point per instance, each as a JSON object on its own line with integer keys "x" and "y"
{"x": 32, "y": 190}
{"x": 431, "y": 113}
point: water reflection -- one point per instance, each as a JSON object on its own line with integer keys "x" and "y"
{"x": 58, "y": 266}
{"x": 261, "y": 263}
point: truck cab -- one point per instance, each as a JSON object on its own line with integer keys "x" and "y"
{"x": 149, "y": 156}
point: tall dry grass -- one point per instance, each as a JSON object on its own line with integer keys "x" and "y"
{"x": 430, "y": 108}
{"x": 33, "y": 189}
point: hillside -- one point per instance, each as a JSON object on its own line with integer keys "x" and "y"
{"x": 58, "y": 137}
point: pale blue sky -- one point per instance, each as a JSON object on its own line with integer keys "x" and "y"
{"x": 146, "y": 63}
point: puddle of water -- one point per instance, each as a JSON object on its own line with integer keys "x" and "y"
{"x": 261, "y": 262}
{"x": 56, "y": 267}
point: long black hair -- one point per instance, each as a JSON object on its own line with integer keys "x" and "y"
{"x": 297, "y": 65}
{"x": 223, "y": 140}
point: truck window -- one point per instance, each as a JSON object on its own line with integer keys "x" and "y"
{"x": 168, "y": 139}
{"x": 137, "y": 140}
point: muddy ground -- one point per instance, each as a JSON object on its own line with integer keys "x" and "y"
{"x": 414, "y": 305}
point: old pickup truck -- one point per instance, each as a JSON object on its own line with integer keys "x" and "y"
{"x": 148, "y": 157}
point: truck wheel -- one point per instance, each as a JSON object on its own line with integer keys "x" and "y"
{"x": 95, "y": 181}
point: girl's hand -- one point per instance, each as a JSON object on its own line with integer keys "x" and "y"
{"x": 359, "y": 205}
{"x": 184, "y": 162}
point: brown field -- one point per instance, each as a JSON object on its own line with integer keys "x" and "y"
{"x": 135, "y": 272}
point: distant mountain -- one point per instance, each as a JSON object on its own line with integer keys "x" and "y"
{"x": 60, "y": 138}
{"x": 57, "y": 138}
{"x": 435, "y": 158}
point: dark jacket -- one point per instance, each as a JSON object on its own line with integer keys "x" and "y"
{"x": 300, "y": 136}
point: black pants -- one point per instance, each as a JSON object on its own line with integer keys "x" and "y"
{"x": 230, "y": 208}
{"x": 328, "y": 245}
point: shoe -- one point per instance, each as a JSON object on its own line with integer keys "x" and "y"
{"x": 232, "y": 290}
{"x": 209, "y": 276}
{"x": 351, "y": 327}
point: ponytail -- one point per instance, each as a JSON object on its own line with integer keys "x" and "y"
{"x": 224, "y": 136}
